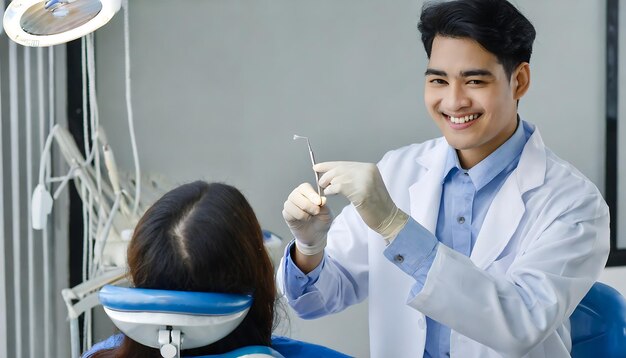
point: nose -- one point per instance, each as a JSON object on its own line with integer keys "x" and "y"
{"x": 456, "y": 98}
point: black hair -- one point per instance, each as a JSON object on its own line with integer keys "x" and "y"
{"x": 206, "y": 238}
{"x": 495, "y": 24}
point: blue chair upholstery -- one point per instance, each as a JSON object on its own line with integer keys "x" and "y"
{"x": 253, "y": 351}
{"x": 598, "y": 324}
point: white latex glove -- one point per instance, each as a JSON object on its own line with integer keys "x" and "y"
{"x": 363, "y": 185}
{"x": 308, "y": 219}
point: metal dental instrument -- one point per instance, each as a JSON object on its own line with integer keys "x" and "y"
{"x": 317, "y": 175}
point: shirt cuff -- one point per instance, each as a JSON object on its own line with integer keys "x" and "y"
{"x": 413, "y": 251}
{"x": 297, "y": 283}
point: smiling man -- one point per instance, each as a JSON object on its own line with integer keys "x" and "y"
{"x": 480, "y": 243}
{"x": 472, "y": 97}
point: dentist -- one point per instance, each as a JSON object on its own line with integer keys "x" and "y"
{"x": 480, "y": 243}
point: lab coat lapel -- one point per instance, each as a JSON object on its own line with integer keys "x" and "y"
{"x": 500, "y": 224}
{"x": 507, "y": 208}
{"x": 425, "y": 194}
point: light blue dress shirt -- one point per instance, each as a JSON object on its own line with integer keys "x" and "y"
{"x": 466, "y": 197}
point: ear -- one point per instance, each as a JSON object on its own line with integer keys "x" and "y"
{"x": 520, "y": 80}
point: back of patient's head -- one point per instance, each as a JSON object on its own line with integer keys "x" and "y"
{"x": 495, "y": 24}
{"x": 204, "y": 237}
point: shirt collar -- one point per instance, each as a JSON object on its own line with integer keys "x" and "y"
{"x": 452, "y": 164}
{"x": 482, "y": 173}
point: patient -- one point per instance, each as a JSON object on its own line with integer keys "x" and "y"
{"x": 206, "y": 238}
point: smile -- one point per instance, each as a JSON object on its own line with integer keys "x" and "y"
{"x": 462, "y": 119}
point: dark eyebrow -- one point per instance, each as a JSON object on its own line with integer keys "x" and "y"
{"x": 433, "y": 72}
{"x": 468, "y": 73}
{"x": 471, "y": 73}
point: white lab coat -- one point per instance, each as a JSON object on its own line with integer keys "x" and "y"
{"x": 543, "y": 243}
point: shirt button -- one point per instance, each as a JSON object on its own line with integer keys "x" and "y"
{"x": 460, "y": 220}
{"x": 399, "y": 259}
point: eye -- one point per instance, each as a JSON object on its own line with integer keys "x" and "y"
{"x": 438, "y": 81}
{"x": 475, "y": 82}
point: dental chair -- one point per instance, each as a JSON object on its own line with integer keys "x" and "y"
{"x": 167, "y": 320}
{"x": 175, "y": 320}
{"x": 598, "y": 325}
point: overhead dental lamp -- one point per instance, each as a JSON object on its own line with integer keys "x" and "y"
{"x": 39, "y": 23}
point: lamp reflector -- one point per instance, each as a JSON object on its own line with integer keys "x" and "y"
{"x": 40, "y": 23}
{"x": 38, "y": 20}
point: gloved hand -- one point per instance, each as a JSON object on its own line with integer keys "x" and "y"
{"x": 308, "y": 219}
{"x": 363, "y": 185}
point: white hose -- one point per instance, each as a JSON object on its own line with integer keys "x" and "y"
{"x": 28, "y": 103}
{"x": 75, "y": 343}
{"x": 3, "y": 277}
{"x": 104, "y": 234}
{"x": 42, "y": 136}
{"x": 48, "y": 294}
{"x": 85, "y": 103}
{"x": 95, "y": 125}
{"x": 15, "y": 187}
{"x": 94, "y": 112}
{"x": 131, "y": 123}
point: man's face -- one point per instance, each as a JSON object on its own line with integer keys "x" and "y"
{"x": 470, "y": 97}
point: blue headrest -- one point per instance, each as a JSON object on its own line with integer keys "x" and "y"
{"x": 197, "y": 303}
{"x": 266, "y": 234}
{"x": 201, "y": 318}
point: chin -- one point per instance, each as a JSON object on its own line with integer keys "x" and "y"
{"x": 459, "y": 143}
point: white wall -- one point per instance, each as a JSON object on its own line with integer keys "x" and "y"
{"x": 220, "y": 87}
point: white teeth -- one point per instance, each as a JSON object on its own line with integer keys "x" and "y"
{"x": 465, "y": 119}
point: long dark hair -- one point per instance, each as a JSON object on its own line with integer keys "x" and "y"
{"x": 205, "y": 238}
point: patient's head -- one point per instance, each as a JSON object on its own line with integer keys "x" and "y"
{"x": 204, "y": 237}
